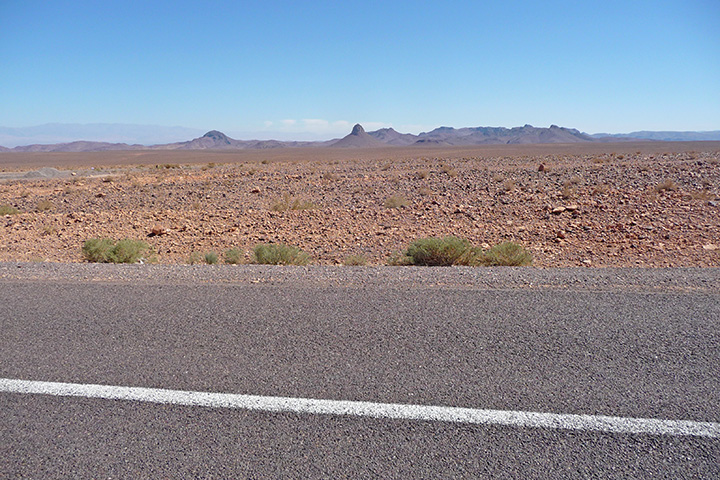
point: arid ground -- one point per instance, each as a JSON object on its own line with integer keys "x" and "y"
{"x": 594, "y": 205}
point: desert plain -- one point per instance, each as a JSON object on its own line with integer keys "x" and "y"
{"x": 629, "y": 204}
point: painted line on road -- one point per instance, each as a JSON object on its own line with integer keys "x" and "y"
{"x": 368, "y": 409}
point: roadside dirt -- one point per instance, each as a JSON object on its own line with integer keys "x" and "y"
{"x": 647, "y": 205}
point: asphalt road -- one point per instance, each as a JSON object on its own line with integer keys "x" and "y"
{"x": 548, "y": 343}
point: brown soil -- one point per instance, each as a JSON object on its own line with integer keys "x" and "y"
{"x": 626, "y": 204}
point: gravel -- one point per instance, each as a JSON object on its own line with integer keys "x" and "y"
{"x": 572, "y": 279}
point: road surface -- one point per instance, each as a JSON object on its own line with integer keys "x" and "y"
{"x": 633, "y": 354}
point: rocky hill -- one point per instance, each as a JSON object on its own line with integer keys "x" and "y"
{"x": 357, "y": 138}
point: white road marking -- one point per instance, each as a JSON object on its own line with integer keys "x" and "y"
{"x": 368, "y": 409}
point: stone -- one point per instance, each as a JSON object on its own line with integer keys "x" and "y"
{"x": 157, "y": 230}
{"x": 558, "y": 210}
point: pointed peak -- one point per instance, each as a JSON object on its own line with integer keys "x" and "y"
{"x": 357, "y": 130}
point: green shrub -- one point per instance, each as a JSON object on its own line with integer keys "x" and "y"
{"x": 507, "y": 254}
{"x": 105, "y": 250}
{"x": 8, "y": 210}
{"x": 355, "y": 261}
{"x": 194, "y": 258}
{"x": 211, "y": 258}
{"x": 279, "y": 254}
{"x": 435, "y": 251}
{"x": 234, "y": 256}
{"x": 98, "y": 249}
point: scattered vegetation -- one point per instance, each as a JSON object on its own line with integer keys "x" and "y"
{"x": 448, "y": 251}
{"x": 451, "y": 172}
{"x": 666, "y": 185}
{"x": 600, "y": 189}
{"x": 106, "y": 250}
{"x": 8, "y": 210}
{"x": 290, "y": 203}
{"x": 434, "y": 251}
{"x": 355, "y": 261}
{"x": 211, "y": 258}
{"x": 279, "y": 254}
{"x": 44, "y": 205}
{"x": 234, "y": 256}
{"x": 507, "y": 254}
{"x": 396, "y": 201}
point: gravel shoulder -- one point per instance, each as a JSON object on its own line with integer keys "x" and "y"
{"x": 700, "y": 280}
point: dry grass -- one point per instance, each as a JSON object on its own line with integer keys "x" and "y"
{"x": 290, "y": 203}
{"x": 396, "y": 201}
{"x": 8, "y": 210}
{"x": 666, "y": 185}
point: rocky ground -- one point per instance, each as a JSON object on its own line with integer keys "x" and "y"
{"x": 593, "y": 208}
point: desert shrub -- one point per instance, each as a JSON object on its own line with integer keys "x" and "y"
{"x": 506, "y": 254}
{"x": 44, "y": 205}
{"x": 8, "y": 210}
{"x": 195, "y": 258}
{"x": 396, "y": 201}
{"x": 279, "y": 254}
{"x": 105, "y": 250}
{"x": 434, "y": 251}
{"x": 451, "y": 172}
{"x": 290, "y": 203}
{"x": 98, "y": 249}
{"x": 600, "y": 189}
{"x": 233, "y": 256}
{"x": 666, "y": 185}
{"x": 211, "y": 258}
{"x": 355, "y": 261}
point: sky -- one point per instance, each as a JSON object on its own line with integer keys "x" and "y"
{"x": 312, "y": 69}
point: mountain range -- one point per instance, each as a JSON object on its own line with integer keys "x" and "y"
{"x": 359, "y": 138}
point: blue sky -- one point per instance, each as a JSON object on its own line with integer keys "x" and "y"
{"x": 289, "y": 69}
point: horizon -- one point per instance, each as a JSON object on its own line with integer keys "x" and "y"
{"x": 174, "y": 134}
{"x": 297, "y": 72}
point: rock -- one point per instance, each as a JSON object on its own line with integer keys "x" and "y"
{"x": 255, "y": 190}
{"x": 157, "y": 230}
{"x": 541, "y": 168}
{"x": 571, "y": 208}
{"x": 710, "y": 246}
{"x": 558, "y": 210}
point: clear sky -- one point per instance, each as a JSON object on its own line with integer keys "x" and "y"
{"x": 297, "y": 69}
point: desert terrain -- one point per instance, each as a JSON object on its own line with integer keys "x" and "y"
{"x": 651, "y": 204}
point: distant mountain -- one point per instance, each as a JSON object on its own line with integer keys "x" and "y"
{"x": 80, "y": 146}
{"x": 502, "y": 135}
{"x": 358, "y": 138}
{"x": 391, "y": 137}
{"x": 663, "y": 136}
{"x": 52, "y": 133}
